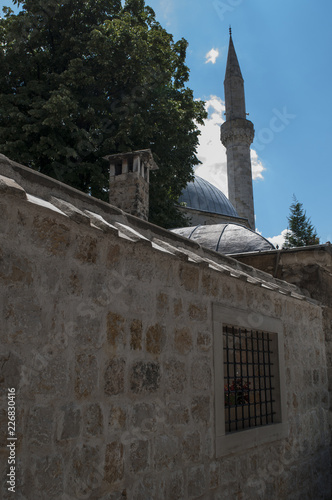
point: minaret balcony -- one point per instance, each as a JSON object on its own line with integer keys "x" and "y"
{"x": 237, "y": 130}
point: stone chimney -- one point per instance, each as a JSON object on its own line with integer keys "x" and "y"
{"x": 129, "y": 181}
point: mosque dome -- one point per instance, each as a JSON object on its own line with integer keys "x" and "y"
{"x": 227, "y": 238}
{"x": 201, "y": 195}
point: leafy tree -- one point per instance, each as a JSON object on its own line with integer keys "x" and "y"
{"x": 302, "y": 232}
{"x": 81, "y": 79}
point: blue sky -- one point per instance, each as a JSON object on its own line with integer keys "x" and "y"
{"x": 284, "y": 52}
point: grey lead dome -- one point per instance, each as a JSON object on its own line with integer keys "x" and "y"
{"x": 201, "y": 195}
{"x": 226, "y": 238}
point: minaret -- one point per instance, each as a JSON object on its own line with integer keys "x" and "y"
{"x": 237, "y": 133}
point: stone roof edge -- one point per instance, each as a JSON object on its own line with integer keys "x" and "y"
{"x": 310, "y": 248}
{"x": 46, "y": 188}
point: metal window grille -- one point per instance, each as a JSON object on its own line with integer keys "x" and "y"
{"x": 248, "y": 378}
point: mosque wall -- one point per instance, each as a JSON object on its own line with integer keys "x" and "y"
{"x": 109, "y": 344}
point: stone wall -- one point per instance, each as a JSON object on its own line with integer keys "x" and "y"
{"x": 108, "y": 341}
{"x": 310, "y": 268}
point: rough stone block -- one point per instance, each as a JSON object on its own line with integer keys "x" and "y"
{"x": 204, "y": 341}
{"x": 145, "y": 377}
{"x": 136, "y": 330}
{"x": 87, "y": 250}
{"x": 175, "y": 375}
{"x": 176, "y": 486}
{"x": 45, "y": 477}
{"x": 145, "y": 416}
{"x": 201, "y": 375}
{"x": 177, "y": 414}
{"x": 86, "y": 375}
{"x": 178, "y": 308}
{"x": 71, "y": 422}
{"x": 54, "y": 236}
{"x": 155, "y": 339}
{"x": 114, "y": 462}
{"x": 113, "y": 255}
{"x": 114, "y": 377}
{"x": 196, "y": 481}
{"x": 200, "y": 409}
{"x": 189, "y": 276}
{"x": 40, "y": 426}
{"x": 9, "y": 186}
{"x": 115, "y": 328}
{"x": 183, "y": 340}
{"x": 85, "y": 472}
{"x": 197, "y": 312}
{"x": 93, "y": 420}
{"x": 117, "y": 418}
{"x": 166, "y": 450}
{"x": 191, "y": 446}
{"x": 139, "y": 456}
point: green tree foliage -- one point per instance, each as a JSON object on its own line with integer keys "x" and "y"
{"x": 301, "y": 231}
{"x": 81, "y": 79}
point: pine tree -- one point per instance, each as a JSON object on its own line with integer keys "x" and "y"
{"x": 82, "y": 79}
{"x": 301, "y": 231}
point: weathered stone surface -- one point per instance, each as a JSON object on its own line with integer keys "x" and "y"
{"x": 45, "y": 477}
{"x": 136, "y": 331}
{"x": 191, "y": 446}
{"x": 113, "y": 255}
{"x": 114, "y": 377}
{"x": 40, "y": 426}
{"x": 86, "y": 472}
{"x": 9, "y": 186}
{"x": 117, "y": 418}
{"x": 176, "y": 377}
{"x": 189, "y": 276}
{"x": 71, "y": 422}
{"x": 93, "y": 420}
{"x": 114, "y": 464}
{"x": 201, "y": 375}
{"x": 166, "y": 450}
{"x": 145, "y": 377}
{"x": 177, "y": 414}
{"x": 54, "y": 236}
{"x": 200, "y": 409}
{"x": 176, "y": 489}
{"x": 112, "y": 355}
{"x": 183, "y": 340}
{"x": 197, "y": 312}
{"x": 145, "y": 416}
{"x": 196, "y": 481}
{"x": 86, "y": 375}
{"x": 139, "y": 456}
{"x": 87, "y": 250}
{"x": 10, "y": 367}
{"x": 115, "y": 328}
{"x": 155, "y": 339}
{"x": 204, "y": 341}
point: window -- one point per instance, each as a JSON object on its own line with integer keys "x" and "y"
{"x": 249, "y": 379}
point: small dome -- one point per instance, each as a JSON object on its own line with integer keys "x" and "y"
{"x": 226, "y": 238}
{"x": 200, "y": 194}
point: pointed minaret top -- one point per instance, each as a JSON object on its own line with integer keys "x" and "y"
{"x": 233, "y": 67}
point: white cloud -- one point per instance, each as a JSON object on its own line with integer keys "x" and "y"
{"x": 212, "y": 153}
{"x": 256, "y": 165}
{"x": 278, "y": 240}
{"x": 212, "y": 56}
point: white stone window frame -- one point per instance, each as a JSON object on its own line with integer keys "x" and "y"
{"x": 241, "y": 440}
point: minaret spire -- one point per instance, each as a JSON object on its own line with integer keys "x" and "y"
{"x": 237, "y": 133}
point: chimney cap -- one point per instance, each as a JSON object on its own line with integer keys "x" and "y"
{"x": 145, "y": 154}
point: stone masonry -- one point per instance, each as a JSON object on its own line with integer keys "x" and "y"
{"x": 106, "y": 329}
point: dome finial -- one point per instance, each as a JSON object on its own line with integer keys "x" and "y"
{"x": 230, "y": 30}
